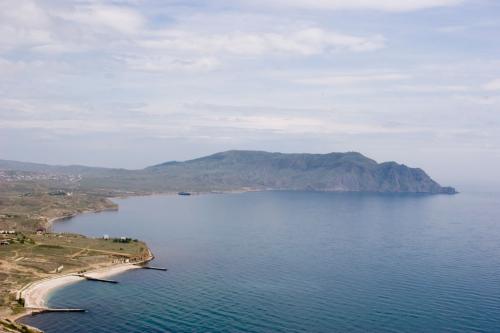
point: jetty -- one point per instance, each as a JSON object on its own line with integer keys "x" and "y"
{"x": 153, "y": 267}
{"x": 46, "y": 310}
{"x": 90, "y": 278}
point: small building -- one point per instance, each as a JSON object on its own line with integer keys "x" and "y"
{"x": 105, "y": 237}
{"x": 57, "y": 192}
{"x": 122, "y": 240}
{"x": 4, "y": 242}
{"x": 40, "y": 231}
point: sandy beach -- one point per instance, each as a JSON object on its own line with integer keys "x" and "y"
{"x": 35, "y": 294}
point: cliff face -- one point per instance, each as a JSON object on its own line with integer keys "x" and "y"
{"x": 322, "y": 172}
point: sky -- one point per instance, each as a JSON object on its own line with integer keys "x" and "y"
{"x": 138, "y": 82}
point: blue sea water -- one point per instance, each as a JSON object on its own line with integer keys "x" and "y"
{"x": 295, "y": 262}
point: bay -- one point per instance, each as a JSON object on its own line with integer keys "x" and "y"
{"x": 295, "y": 262}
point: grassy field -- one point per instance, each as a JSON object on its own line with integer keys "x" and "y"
{"x": 26, "y": 206}
{"x": 27, "y": 256}
{"x": 31, "y": 257}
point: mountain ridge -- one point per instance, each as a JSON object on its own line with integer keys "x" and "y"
{"x": 258, "y": 170}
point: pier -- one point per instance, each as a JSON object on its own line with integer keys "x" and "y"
{"x": 153, "y": 267}
{"x": 89, "y": 278}
{"x": 46, "y": 310}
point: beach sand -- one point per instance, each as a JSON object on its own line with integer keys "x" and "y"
{"x": 35, "y": 295}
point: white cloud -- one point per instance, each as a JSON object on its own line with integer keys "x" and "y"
{"x": 492, "y": 85}
{"x": 42, "y": 29}
{"x": 381, "y": 5}
{"x": 26, "y": 13}
{"x": 452, "y": 28}
{"x": 431, "y": 88}
{"x": 301, "y": 125}
{"x": 118, "y": 18}
{"x": 168, "y": 64}
{"x": 17, "y": 106}
{"x": 12, "y": 37}
{"x": 480, "y": 100}
{"x": 10, "y": 67}
{"x": 352, "y": 79}
{"x": 202, "y": 123}
{"x": 81, "y": 126}
{"x": 39, "y": 26}
{"x": 308, "y": 41}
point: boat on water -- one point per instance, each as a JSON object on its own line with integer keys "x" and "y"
{"x": 184, "y": 193}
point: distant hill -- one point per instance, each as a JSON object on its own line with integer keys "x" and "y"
{"x": 256, "y": 170}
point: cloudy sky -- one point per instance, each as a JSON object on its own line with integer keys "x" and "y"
{"x": 132, "y": 83}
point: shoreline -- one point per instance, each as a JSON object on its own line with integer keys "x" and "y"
{"x": 50, "y": 221}
{"x": 36, "y": 294}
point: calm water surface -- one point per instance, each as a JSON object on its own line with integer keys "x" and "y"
{"x": 296, "y": 262}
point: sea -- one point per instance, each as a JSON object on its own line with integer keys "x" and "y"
{"x": 295, "y": 262}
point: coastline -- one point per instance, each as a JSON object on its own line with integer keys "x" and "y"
{"x": 35, "y": 294}
{"x": 50, "y": 221}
